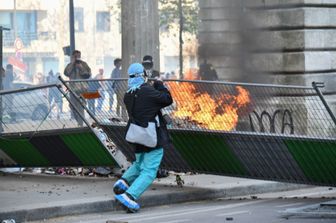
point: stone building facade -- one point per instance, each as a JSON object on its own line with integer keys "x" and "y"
{"x": 271, "y": 41}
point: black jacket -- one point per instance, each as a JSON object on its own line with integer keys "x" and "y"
{"x": 149, "y": 100}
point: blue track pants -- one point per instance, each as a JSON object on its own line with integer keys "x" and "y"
{"x": 143, "y": 172}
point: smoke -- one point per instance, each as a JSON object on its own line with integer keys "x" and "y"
{"x": 231, "y": 39}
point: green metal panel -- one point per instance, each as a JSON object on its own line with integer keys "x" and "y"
{"x": 316, "y": 158}
{"x": 23, "y": 152}
{"x": 205, "y": 152}
{"x": 88, "y": 149}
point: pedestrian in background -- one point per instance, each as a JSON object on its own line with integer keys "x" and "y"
{"x": 9, "y": 77}
{"x": 93, "y": 87}
{"x": 148, "y": 64}
{"x": 51, "y": 92}
{"x": 77, "y": 69}
{"x": 207, "y": 73}
{"x": 143, "y": 103}
{"x": 54, "y": 95}
{"x": 101, "y": 88}
{"x": 117, "y": 88}
{"x": 39, "y": 78}
{"x": 2, "y": 75}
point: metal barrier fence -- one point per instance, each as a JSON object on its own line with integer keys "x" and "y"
{"x": 204, "y": 106}
{"x": 40, "y": 128}
{"x": 226, "y": 107}
{"x": 284, "y": 133}
{"x": 269, "y": 132}
{"x": 33, "y": 109}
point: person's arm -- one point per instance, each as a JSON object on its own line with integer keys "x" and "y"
{"x": 69, "y": 69}
{"x": 85, "y": 70}
{"x": 113, "y": 74}
{"x": 161, "y": 94}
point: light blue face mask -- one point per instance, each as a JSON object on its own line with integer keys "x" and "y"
{"x": 135, "y": 82}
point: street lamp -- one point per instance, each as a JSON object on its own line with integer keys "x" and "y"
{"x": 67, "y": 50}
{"x": 181, "y": 38}
{"x": 72, "y": 26}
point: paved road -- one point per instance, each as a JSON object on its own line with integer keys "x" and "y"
{"x": 259, "y": 208}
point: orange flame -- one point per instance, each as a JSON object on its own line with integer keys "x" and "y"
{"x": 219, "y": 112}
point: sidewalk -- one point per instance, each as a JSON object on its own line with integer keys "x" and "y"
{"x": 34, "y": 197}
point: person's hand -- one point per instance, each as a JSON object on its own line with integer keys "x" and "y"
{"x": 158, "y": 84}
{"x": 78, "y": 64}
{"x": 158, "y": 78}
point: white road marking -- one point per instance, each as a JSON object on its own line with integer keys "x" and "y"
{"x": 289, "y": 205}
{"x": 177, "y": 221}
{"x": 185, "y": 212}
{"x": 312, "y": 193}
{"x": 232, "y": 213}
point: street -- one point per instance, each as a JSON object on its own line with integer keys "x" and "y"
{"x": 262, "y": 208}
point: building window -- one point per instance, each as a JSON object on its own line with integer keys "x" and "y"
{"x": 6, "y": 19}
{"x": 26, "y": 25}
{"x": 103, "y": 21}
{"x": 79, "y": 20}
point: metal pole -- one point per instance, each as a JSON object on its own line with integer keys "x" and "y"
{"x": 1, "y": 74}
{"x": 78, "y": 98}
{"x": 120, "y": 160}
{"x": 14, "y": 20}
{"x": 317, "y": 86}
{"x": 180, "y": 38}
{"x": 72, "y": 26}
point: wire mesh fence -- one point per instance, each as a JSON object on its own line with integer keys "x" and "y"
{"x": 269, "y": 132}
{"x": 45, "y": 126}
{"x": 250, "y": 130}
{"x": 209, "y": 107}
{"x": 223, "y": 107}
{"x": 36, "y": 109}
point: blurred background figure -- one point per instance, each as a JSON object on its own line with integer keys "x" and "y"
{"x": 148, "y": 64}
{"x": 54, "y": 95}
{"x": 2, "y": 72}
{"x": 207, "y": 72}
{"x": 172, "y": 75}
{"x": 77, "y": 69}
{"x": 117, "y": 88}
{"x": 39, "y": 78}
{"x": 93, "y": 87}
{"x": 101, "y": 88}
{"x": 8, "y": 78}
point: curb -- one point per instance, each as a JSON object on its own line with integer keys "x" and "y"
{"x": 187, "y": 195}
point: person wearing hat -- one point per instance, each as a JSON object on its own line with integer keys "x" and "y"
{"x": 143, "y": 103}
{"x": 147, "y": 62}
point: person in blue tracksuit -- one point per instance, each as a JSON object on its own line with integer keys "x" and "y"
{"x": 150, "y": 99}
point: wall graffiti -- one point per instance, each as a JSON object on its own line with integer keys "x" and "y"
{"x": 268, "y": 122}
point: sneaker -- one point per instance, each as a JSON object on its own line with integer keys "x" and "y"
{"x": 120, "y": 186}
{"x": 127, "y": 202}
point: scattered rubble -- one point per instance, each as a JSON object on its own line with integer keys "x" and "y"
{"x": 67, "y": 171}
{"x": 77, "y": 171}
